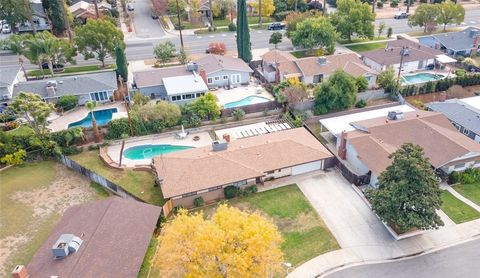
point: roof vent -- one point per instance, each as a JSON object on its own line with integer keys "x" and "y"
{"x": 322, "y": 60}
{"x": 192, "y": 66}
{"x": 66, "y": 244}
{"x": 395, "y": 115}
{"x": 219, "y": 145}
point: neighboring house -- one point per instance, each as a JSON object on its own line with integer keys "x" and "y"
{"x": 40, "y": 19}
{"x": 85, "y": 10}
{"x": 463, "y": 43}
{"x": 413, "y": 56}
{"x": 94, "y": 86}
{"x": 107, "y": 238}
{"x": 224, "y": 71}
{"x": 463, "y": 113}
{"x": 278, "y": 66}
{"x": 9, "y": 77}
{"x": 194, "y": 79}
{"x": 206, "y": 171}
{"x": 365, "y": 140}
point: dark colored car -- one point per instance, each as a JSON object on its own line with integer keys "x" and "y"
{"x": 154, "y": 15}
{"x": 276, "y": 26}
{"x": 56, "y": 67}
{"x": 401, "y": 15}
{"x": 430, "y": 67}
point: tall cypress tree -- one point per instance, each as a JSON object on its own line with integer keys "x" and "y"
{"x": 55, "y": 13}
{"x": 121, "y": 61}
{"x": 243, "y": 33}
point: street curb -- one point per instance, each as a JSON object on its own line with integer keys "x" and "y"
{"x": 395, "y": 259}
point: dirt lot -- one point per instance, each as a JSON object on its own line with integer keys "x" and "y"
{"x": 32, "y": 199}
{"x": 426, "y": 98}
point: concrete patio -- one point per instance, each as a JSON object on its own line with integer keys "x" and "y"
{"x": 235, "y": 94}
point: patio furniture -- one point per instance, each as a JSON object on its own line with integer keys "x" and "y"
{"x": 196, "y": 138}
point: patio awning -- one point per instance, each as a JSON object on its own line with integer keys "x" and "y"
{"x": 444, "y": 59}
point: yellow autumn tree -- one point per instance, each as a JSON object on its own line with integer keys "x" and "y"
{"x": 268, "y": 7}
{"x": 231, "y": 243}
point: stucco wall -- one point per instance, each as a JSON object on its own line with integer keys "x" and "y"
{"x": 244, "y": 78}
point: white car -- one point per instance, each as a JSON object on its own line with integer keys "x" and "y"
{"x": 6, "y": 29}
{"x": 130, "y": 7}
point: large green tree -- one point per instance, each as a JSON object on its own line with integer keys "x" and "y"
{"x": 33, "y": 109}
{"x": 275, "y": 38}
{"x": 425, "y": 16}
{"x": 164, "y": 52}
{"x": 408, "y": 195}
{"x": 353, "y": 17}
{"x": 121, "y": 61}
{"x": 387, "y": 79}
{"x": 13, "y": 11}
{"x": 315, "y": 32}
{"x": 243, "y": 33}
{"x": 338, "y": 92}
{"x": 55, "y": 14}
{"x": 449, "y": 13}
{"x": 98, "y": 38}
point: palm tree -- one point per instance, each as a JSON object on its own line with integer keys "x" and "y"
{"x": 90, "y": 105}
{"x": 124, "y": 136}
{"x": 260, "y": 13}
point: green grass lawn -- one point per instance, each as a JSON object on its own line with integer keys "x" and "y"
{"x": 254, "y": 20}
{"x": 22, "y": 130}
{"x": 147, "y": 260}
{"x": 30, "y": 197}
{"x": 344, "y": 41}
{"x": 367, "y": 46}
{"x": 139, "y": 183}
{"x": 469, "y": 191}
{"x": 305, "y": 235}
{"x": 457, "y": 210}
{"x": 74, "y": 69}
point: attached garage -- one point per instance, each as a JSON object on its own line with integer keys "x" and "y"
{"x": 307, "y": 167}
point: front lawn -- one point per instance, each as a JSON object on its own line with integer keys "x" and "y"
{"x": 139, "y": 183}
{"x": 304, "y": 233}
{"x": 367, "y": 46}
{"x": 457, "y": 210}
{"x": 469, "y": 191}
{"x": 23, "y": 130}
{"x": 33, "y": 196}
{"x": 67, "y": 70}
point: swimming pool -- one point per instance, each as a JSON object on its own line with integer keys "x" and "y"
{"x": 246, "y": 101}
{"x": 420, "y": 78}
{"x": 150, "y": 151}
{"x": 101, "y": 116}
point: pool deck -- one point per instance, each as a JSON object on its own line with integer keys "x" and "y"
{"x": 61, "y": 122}
{"x": 241, "y": 92}
{"x": 158, "y": 139}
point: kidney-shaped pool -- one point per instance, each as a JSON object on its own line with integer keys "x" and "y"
{"x": 150, "y": 151}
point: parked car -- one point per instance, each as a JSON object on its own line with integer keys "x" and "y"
{"x": 276, "y": 26}
{"x": 56, "y": 67}
{"x": 6, "y": 29}
{"x": 430, "y": 67}
{"x": 130, "y": 7}
{"x": 401, "y": 15}
{"x": 154, "y": 15}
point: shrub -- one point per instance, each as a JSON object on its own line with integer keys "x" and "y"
{"x": 232, "y": 27}
{"x": 281, "y": 15}
{"x": 218, "y": 48}
{"x": 252, "y": 189}
{"x": 10, "y": 125}
{"x": 394, "y": 3}
{"x": 198, "y": 202}
{"x": 14, "y": 158}
{"x": 238, "y": 114}
{"x": 117, "y": 127}
{"x": 230, "y": 191}
{"x": 6, "y": 117}
{"x": 360, "y": 104}
{"x": 362, "y": 84}
{"x": 72, "y": 150}
{"x": 460, "y": 72}
{"x": 67, "y": 102}
{"x": 469, "y": 176}
{"x": 379, "y": 5}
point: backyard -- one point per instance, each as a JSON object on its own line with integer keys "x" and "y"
{"x": 139, "y": 183}
{"x": 362, "y": 47}
{"x": 469, "y": 191}
{"x": 33, "y": 196}
{"x": 457, "y": 210}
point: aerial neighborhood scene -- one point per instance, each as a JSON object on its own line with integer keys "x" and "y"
{"x": 239, "y": 138}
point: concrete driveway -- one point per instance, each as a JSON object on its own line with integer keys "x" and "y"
{"x": 145, "y": 26}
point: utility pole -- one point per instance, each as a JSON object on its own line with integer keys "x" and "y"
{"x": 180, "y": 25}
{"x": 65, "y": 19}
{"x": 28, "y": 11}
{"x": 402, "y": 53}
{"x": 260, "y": 13}
{"x": 408, "y": 5}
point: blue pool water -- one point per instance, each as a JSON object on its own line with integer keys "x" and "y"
{"x": 101, "y": 116}
{"x": 149, "y": 151}
{"x": 246, "y": 101}
{"x": 420, "y": 78}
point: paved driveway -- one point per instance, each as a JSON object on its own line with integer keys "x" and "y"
{"x": 145, "y": 26}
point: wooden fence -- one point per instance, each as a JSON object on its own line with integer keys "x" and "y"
{"x": 105, "y": 183}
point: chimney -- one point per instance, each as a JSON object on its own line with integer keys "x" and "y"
{"x": 203, "y": 74}
{"x": 20, "y": 271}
{"x": 226, "y": 137}
{"x": 342, "y": 149}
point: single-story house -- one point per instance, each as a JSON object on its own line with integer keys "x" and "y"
{"x": 206, "y": 171}
{"x": 85, "y": 10}
{"x": 9, "y": 77}
{"x": 106, "y": 238}
{"x": 366, "y": 140}
{"x": 40, "y": 19}
{"x": 463, "y": 113}
{"x": 413, "y": 55}
{"x": 211, "y": 71}
{"x": 93, "y": 86}
{"x": 279, "y": 65}
{"x": 463, "y": 43}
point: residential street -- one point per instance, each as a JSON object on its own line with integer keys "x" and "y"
{"x": 458, "y": 261}
{"x": 145, "y": 26}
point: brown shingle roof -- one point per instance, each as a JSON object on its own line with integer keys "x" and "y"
{"x": 116, "y": 233}
{"x": 198, "y": 169}
{"x": 349, "y": 62}
{"x": 440, "y": 141}
{"x": 391, "y": 54}
{"x": 285, "y": 60}
{"x": 213, "y": 63}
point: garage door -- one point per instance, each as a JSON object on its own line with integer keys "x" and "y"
{"x": 307, "y": 167}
